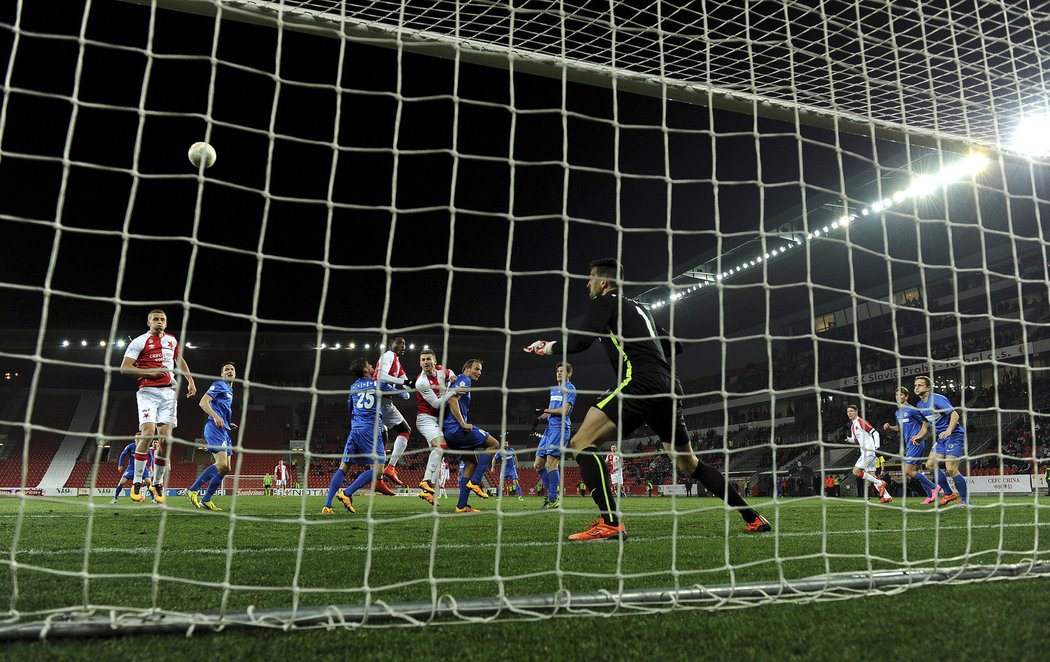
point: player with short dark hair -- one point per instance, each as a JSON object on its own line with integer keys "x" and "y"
{"x": 912, "y": 428}
{"x": 948, "y": 443}
{"x": 461, "y": 435}
{"x": 217, "y": 403}
{"x": 647, "y": 392}
{"x": 152, "y": 358}
{"x": 364, "y": 444}
{"x": 555, "y": 439}
{"x": 865, "y": 436}
{"x": 388, "y": 370}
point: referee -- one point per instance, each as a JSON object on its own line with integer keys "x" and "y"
{"x": 638, "y": 350}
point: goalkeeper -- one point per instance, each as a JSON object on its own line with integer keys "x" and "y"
{"x": 638, "y": 350}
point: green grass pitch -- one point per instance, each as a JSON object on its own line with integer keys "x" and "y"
{"x": 280, "y": 553}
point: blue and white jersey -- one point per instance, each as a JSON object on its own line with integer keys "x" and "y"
{"x": 128, "y": 455}
{"x": 909, "y": 420}
{"x": 364, "y": 405}
{"x": 937, "y": 411}
{"x": 221, "y": 401}
{"x": 450, "y": 424}
{"x": 560, "y": 396}
{"x": 509, "y": 466}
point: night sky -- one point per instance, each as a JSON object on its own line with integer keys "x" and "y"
{"x": 289, "y": 231}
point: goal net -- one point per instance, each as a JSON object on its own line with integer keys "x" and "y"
{"x": 820, "y": 204}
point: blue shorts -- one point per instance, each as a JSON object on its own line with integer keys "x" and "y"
{"x": 914, "y": 453}
{"x": 952, "y": 446}
{"x": 551, "y": 443}
{"x": 364, "y": 447}
{"x": 130, "y": 473}
{"x": 510, "y": 475}
{"x": 465, "y": 440}
{"x": 216, "y": 440}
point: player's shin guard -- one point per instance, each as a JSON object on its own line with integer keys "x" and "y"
{"x": 716, "y": 484}
{"x": 925, "y": 483}
{"x": 484, "y": 462}
{"x": 464, "y": 493}
{"x": 365, "y": 478}
{"x": 205, "y": 477}
{"x": 553, "y": 485}
{"x": 160, "y": 474}
{"x": 433, "y": 463}
{"x": 333, "y": 487}
{"x": 400, "y": 444}
{"x": 140, "y": 465}
{"x": 596, "y": 476}
{"x": 960, "y": 486}
{"x": 214, "y": 484}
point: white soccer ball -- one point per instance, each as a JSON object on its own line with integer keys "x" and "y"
{"x": 197, "y": 150}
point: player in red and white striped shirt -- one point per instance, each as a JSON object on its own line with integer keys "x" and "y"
{"x": 432, "y": 392}
{"x": 280, "y": 479}
{"x": 615, "y": 464}
{"x": 152, "y": 358}
{"x": 867, "y": 437}
{"x": 389, "y": 370}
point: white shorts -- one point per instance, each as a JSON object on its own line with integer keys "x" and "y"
{"x": 391, "y": 415}
{"x": 280, "y": 483}
{"x": 157, "y": 405}
{"x": 617, "y": 478}
{"x": 866, "y": 461}
{"x": 428, "y": 426}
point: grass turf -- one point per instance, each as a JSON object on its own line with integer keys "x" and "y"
{"x": 393, "y": 549}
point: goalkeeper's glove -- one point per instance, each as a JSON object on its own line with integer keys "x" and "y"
{"x": 542, "y": 347}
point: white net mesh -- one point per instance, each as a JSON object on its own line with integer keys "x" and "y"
{"x": 810, "y": 224}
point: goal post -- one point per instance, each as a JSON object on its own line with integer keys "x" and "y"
{"x": 817, "y": 206}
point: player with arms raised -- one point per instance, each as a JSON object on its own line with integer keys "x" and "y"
{"x": 555, "y": 439}
{"x": 948, "y": 440}
{"x": 912, "y": 429}
{"x": 217, "y": 403}
{"x": 864, "y": 435}
{"x": 151, "y": 358}
{"x": 390, "y": 371}
{"x": 646, "y": 392}
{"x": 432, "y": 392}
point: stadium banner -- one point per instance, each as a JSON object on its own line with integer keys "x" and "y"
{"x": 28, "y": 491}
{"x": 62, "y": 491}
{"x": 83, "y": 491}
{"x": 1019, "y": 484}
{"x": 1039, "y": 482}
{"x": 676, "y": 489}
{"x": 1000, "y": 354}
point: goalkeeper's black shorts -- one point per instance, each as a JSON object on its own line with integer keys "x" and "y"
{"x": 647, "y": 398}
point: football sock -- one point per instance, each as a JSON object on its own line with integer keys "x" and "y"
{"x": 960, "y": 486}
{"x": 433, "y": 463}
{"x": 116, "y": 495}
{"x": 464, "y": 493}
{"x": 543, "y": 481}
{"x": 160, "y": 465}
{"x": 942, "y": 480}
{"x": 596, "y": 476}
{"x": 553, "y": 479}
{"x": 400, "y": 444}
{"x": 924, "y": 482}
{"x": 140, "y": 465}
{"x": 214, "y": 484}
{"x": 484, "y": 462}
{"x": 205, "y": 477}
{"x": 337, "y": 482}
{"x": 364, "y": 479}
{"x": 517, "y": 489}
{"x": 716, "y": 484}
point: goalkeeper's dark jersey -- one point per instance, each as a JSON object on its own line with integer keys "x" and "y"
{"x": 631, "y": 337}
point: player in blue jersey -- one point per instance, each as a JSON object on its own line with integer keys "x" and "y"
{"x": 460, "y": 435}
{"x": 127, "y": 469}
{"x": 217, "y": 403}
{"x": 510, "y": 470}
{"x": 912, "y": 429}
{"x": 948, "y": 440}
{"x": 364, "y": 444}
{"x": 555, "y": 438}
